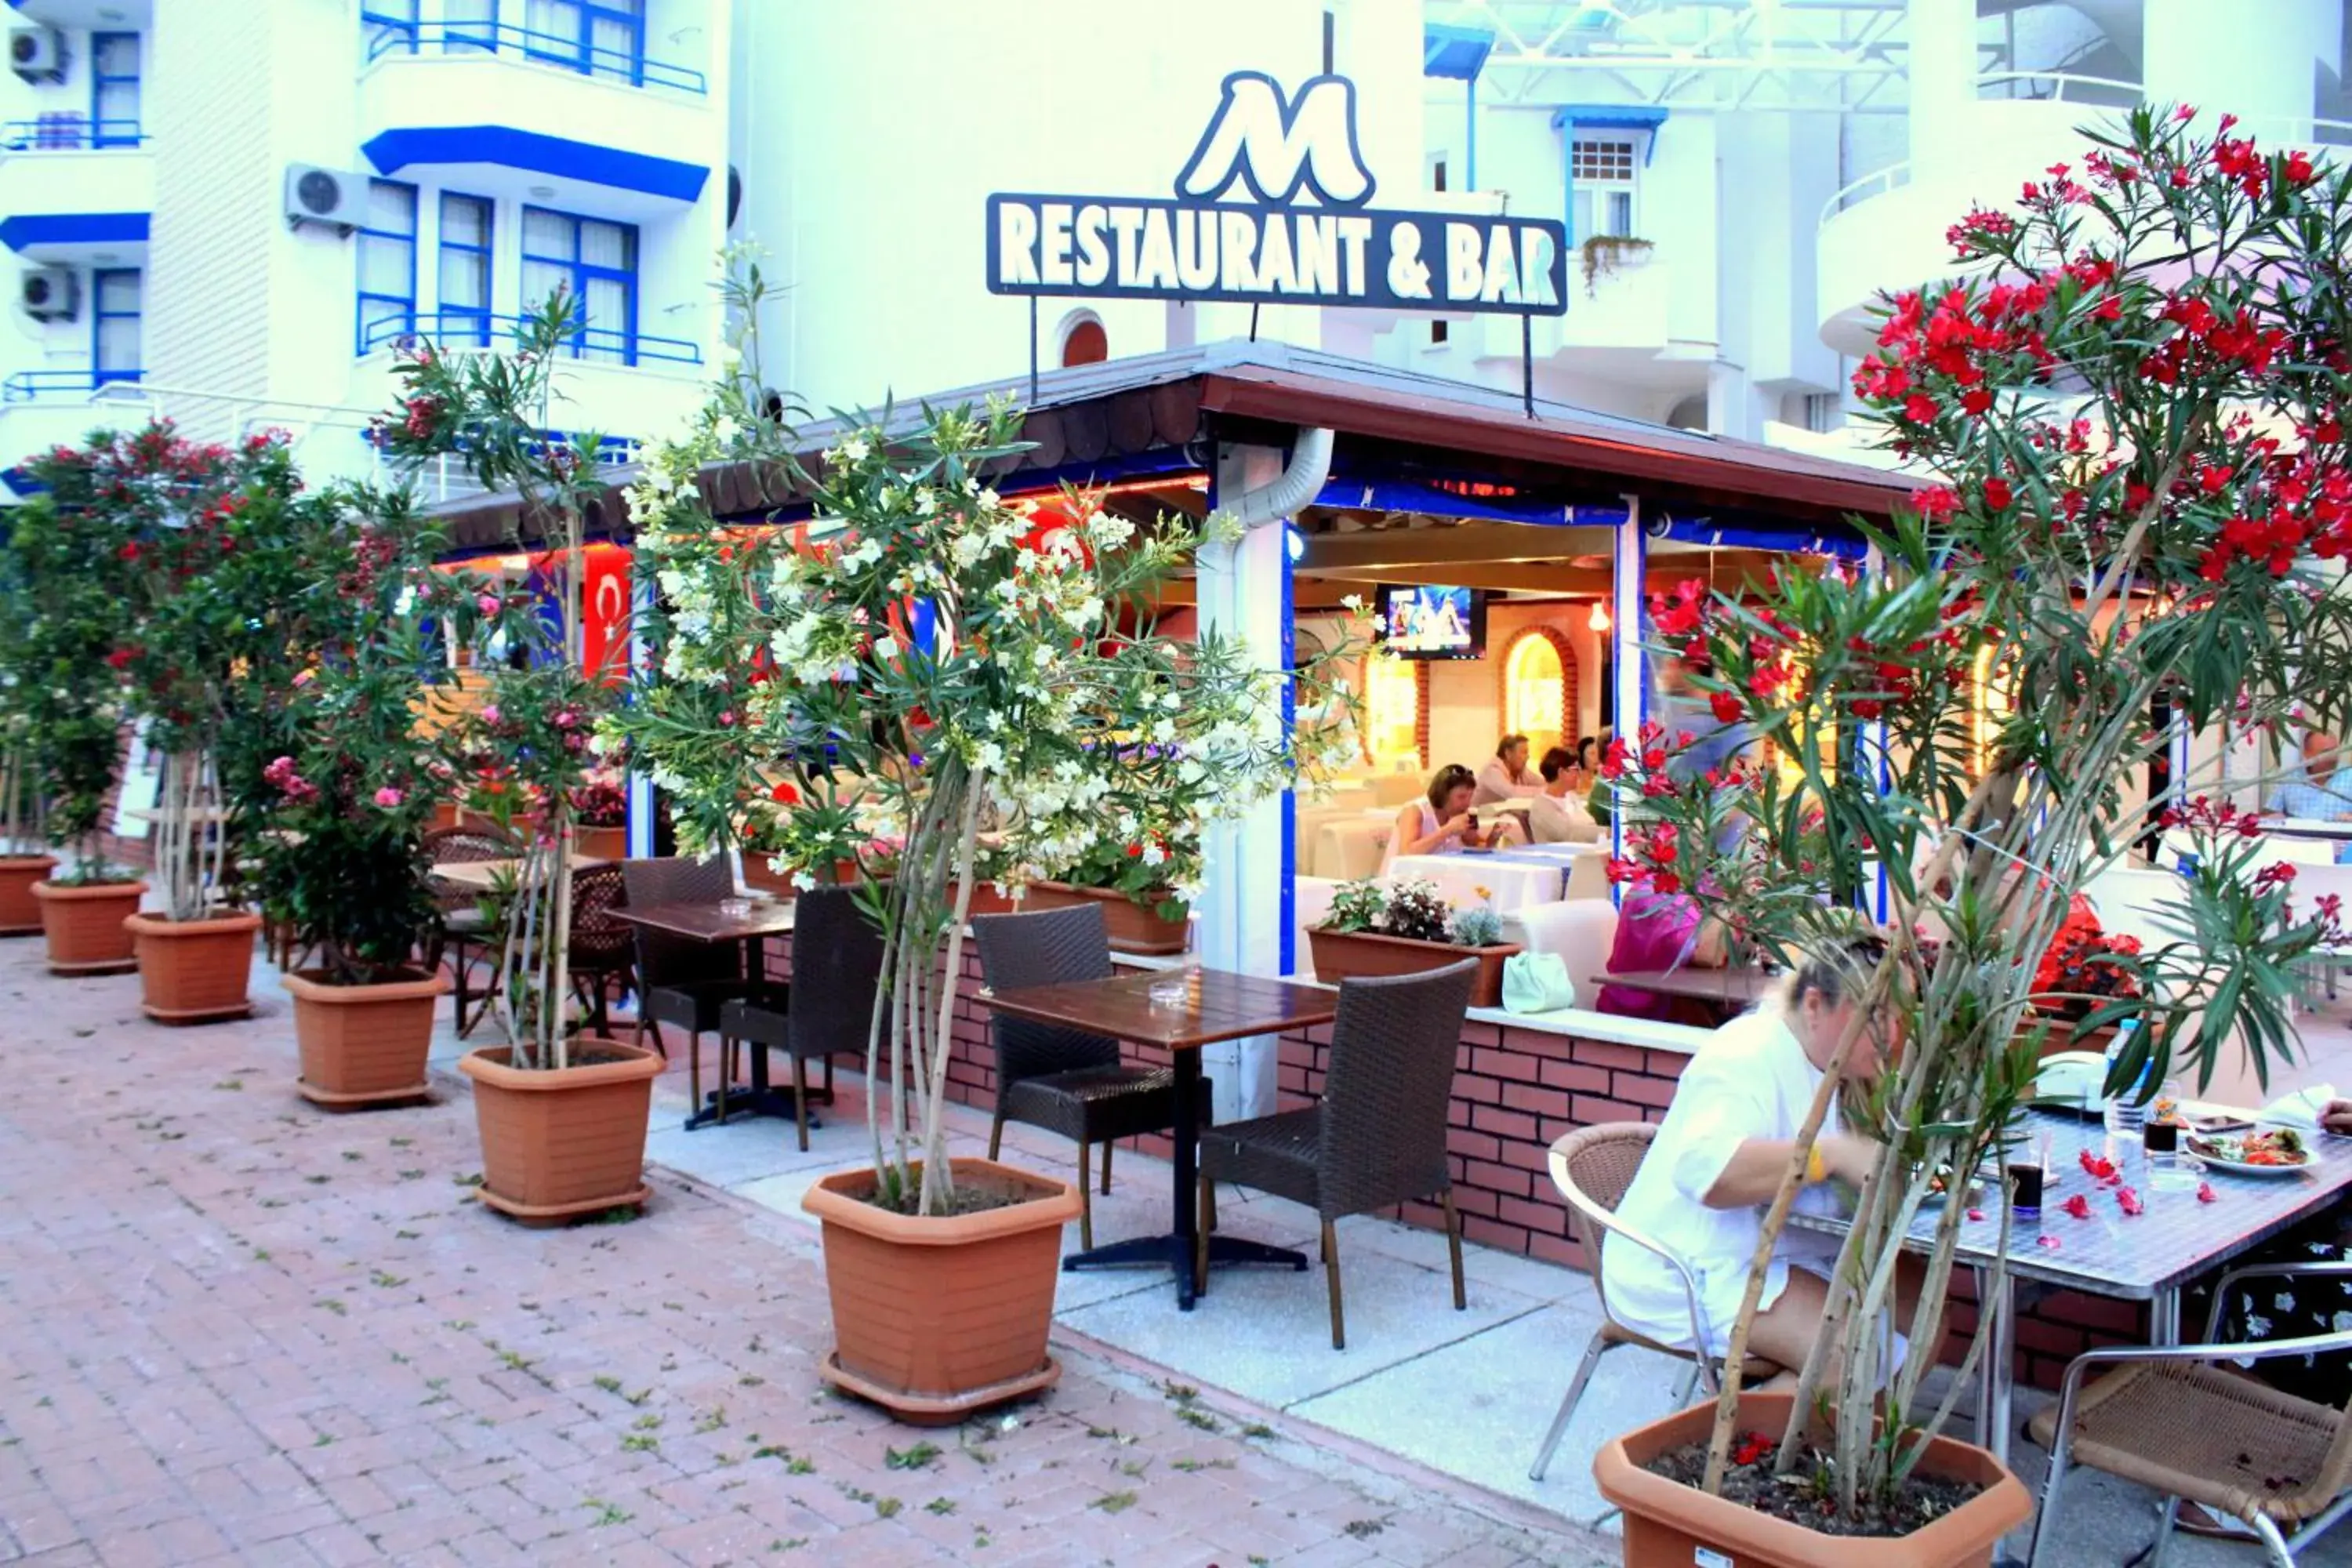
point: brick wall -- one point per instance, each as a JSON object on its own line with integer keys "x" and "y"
{"x": 1516, "y": 1090}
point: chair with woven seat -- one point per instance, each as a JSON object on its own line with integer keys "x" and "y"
{"x": 1064, "y": 1080}
{"x": 2177, "y": 1420}
{"x": 1593, "y": 1167}
{"x": 682, "y": 982}
{"x": 1377, "y": 1138}
{"x": 462, "y": 932}
{"x": 604, "y": 950}
{"x": 826, "y": 1010}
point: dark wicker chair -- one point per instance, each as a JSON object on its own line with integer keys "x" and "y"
{"x": 464, "y": 934}
{"x": 682, "y": 982}
{"x": 1061, "y": 1080}
{"x": 1377, "y": 1138}
{"x": 604, "y": 950}
{"x": 827, "y": 1010}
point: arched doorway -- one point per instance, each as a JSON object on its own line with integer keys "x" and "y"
{"x": 1083, "y": 341}
{"x": 1538, "y": 688}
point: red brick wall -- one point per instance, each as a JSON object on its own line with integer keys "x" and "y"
{"x": 1516, "y": 1090}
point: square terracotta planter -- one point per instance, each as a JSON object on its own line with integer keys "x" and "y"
{"x": 363, "y": 1045}
{"x": 1133, "y": 928}
{"x": 1670, "y": 1525}
{"x": 602, "y": 843}
{"x": 934, "y": 1317}
{"x": 193, "y": 972}
{"x": 1373, "y": 955}
{"x": 20, "y": 912}
{"x": 84, "y": 922}
{"x": 559, "y": 1145}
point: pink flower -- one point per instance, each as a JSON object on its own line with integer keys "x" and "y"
{"x": 388, "y": 797}
{"x": 488, "y": 604}
{"x": 2205, "y": 1194}
{"x": 489, "y": 712}
{"x": 2048, "y": 1241}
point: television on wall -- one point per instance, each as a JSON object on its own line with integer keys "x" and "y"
{"x": 1427, "y": 622}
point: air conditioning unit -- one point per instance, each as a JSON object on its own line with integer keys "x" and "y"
{"x": 37, "y": 54}
{"x": 51, "y": 293}
{"x": 335, "y": 197}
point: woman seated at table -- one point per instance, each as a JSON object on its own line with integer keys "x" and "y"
{"x": 1718, "y": 1160}
{"x": 1443, "y": 823}
{"x": 1658, "y": 934}
{"x": 1558, "y": 815}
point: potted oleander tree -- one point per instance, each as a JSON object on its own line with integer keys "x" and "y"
{"x": 562, "y": 1115}
{"x": 2131, "y": 403}
{"x": 341, "y": 862}
{"x": 23, "y": 842}
{"x": 923, "y": 642}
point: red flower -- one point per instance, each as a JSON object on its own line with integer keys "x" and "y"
{"x": 1920, "y": 408}
{"x": 2078, "y": 1206}
{"x": 1135, "y": 851}
{"x": 1976, "y": 400}
{"x": 1998, "y": 495}
{"x": 130, "y": 552}
{"x": 2096, "y": 1167}
{"x": 1726, "y": 707}
{"x": 2299, "y": 170}
{"x": 783, "y": 793}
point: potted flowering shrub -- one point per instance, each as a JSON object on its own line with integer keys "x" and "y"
{"x": 562, "y": 1119}
{"x": 65, "y": 704}
{"x": 926, "y": 645}
{"x": 2111, "y": 523}
{"x": 1133, "y": 870}
{"x": 600, "y": 805}
{"x": 344, "y": 865}
{"x": 1404, "y": 927}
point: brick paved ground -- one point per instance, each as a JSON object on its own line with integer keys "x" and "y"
{"x": 234, "y": 1329}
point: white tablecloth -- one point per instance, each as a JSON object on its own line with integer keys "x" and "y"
{"x": 1512, "y": 879}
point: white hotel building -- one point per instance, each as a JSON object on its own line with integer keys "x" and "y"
{"x": 229, "y": 210}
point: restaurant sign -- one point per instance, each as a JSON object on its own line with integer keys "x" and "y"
{"x": 1271, "y": 249}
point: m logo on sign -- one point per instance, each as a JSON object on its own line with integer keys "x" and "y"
{"x": 1274, "y": 148}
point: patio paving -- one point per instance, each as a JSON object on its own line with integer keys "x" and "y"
{"x": 239, "y": 1330}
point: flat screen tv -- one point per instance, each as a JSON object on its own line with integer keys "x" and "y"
{"x": 1434, "y": 622}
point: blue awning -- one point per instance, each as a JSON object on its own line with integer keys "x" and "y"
{"x": 1458, "y": 53}
{"x": 555, "y": 156}
{"x": 1613, "y": 117}
{"x": 22, "y": 231}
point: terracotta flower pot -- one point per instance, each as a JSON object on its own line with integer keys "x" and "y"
{"x": 560, "y": 1143}
{"x": 1133, "y": 927}
{"x": 85, "y": 925}
{"x": 1667, "y": 1523}
{"x": 1372, "y": 955}
{"x": 363, "y": 1045}
{"x": 20, "y": 912}
{"x": 193, "y": 972}
{"x": 935, "y": 1318}
{"x": 986, "y": 900}
{"x": 757, "y": 874}
{"x": 603, "y": 843}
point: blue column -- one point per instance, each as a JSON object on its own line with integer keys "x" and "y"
{"x": 1628, "y": 660}
{"x": 641, "y": 788}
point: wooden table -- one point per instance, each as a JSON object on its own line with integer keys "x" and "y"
{"x": 1728, "y": 990}
{"x": 747, "y": 920}
{"x": 480, "y": 876}
{"x": 1217, "y": 1006}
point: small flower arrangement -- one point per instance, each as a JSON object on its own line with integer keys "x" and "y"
{"x": 1410, "y": 908}
{"x": 600, "y": 801}
{"x": 2085, "y": 966}
{"x": 1477, "y": 927}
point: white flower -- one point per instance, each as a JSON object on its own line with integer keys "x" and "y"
{"x": 1153, "y": 854}
{"x": 803, "y": 881}
{"x": 886, "y": 648}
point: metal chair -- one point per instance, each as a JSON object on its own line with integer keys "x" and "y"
{"x": 1377, "y": 1138}
{"x": 464, "y": 933}
{"x": 826, "y": 1010}
{"x": 682, "y": 982}
{"x": 603, "y": 948}
{"x": 1061, "y": 1080}
{"x": 2175, "y": 1421}
{"x": 1593, "y": 1167}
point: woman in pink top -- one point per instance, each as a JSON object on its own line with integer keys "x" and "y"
{"x": 1443, "y": 823}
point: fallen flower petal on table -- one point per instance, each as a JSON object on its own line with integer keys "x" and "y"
{"x": 2206, "y": 1194}
{"x": 2129, "y": 1201}
{"x": 2078, "y": 1206}
{"x": 2098, "y": 1169}
{"x": 2048, "y": 1241}
{"x": 1976, "y": 1214}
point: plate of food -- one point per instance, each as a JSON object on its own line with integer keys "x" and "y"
{"x": 2271, "y": 1152}
{"x": 1940, "y": 1187}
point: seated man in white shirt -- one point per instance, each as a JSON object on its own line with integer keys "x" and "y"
{"x": 1720, "y": 1158}
{"x": 1506, "y": 776}
{"x": 1558, "y": 815}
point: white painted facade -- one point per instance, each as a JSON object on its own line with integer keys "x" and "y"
{"x": 1782, "y": 164}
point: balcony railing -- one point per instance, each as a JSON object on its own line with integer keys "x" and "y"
{"x": 32, "y": 385}
{"x": 2058, "y": 87}
{"x": 462, "y": 329}
{"x": 397, "y": 36}
{"x": 1878, "y": 183}
{"x": 67, "y": 132}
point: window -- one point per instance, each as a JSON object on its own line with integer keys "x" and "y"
{"x": 1437, "y": 175}
{"x": 1825, "y": 412}
{"x": 391, "y": 23}
{"x": 1085, "y": 342}
{"x": 114, "y": 89}
{"x": 1391, "y": 710}
{"x": 468, "y": 26}
{"x": 606, "y": 38}
{"x": 1600, "y": 172}
{"x": 115, "y": 351}
{"x": 464, "y": 270}
{"x": 387, "y": 265}
{"x": 1535, "y": 691}
{"x": 594, "y": 264}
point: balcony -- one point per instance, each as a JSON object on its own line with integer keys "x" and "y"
{"x": 40, "y": 409}
{"x": 60, "y": 386}
{"x": 426, "y": 88}
{"x": 85, "y": 14}
{"x": 457, "y": 331}
{"x": 610, "y": 381}
{"x": 76, "y": 191}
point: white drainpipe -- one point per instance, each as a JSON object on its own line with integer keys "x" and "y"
{"x": 1295, "y": 486}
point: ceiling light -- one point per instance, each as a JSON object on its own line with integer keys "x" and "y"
{"x": 1600, "y": 622}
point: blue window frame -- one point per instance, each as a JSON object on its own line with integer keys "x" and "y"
{"x": 114, "y": 321}
{"x": 114, "y": 89}
{"x": 393, "y": 24}
{"x": 387, "y": 265}
{"x": 595, "y": 262}
{"x": 602, "y": 37}
{"x": 464, "y": 269}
